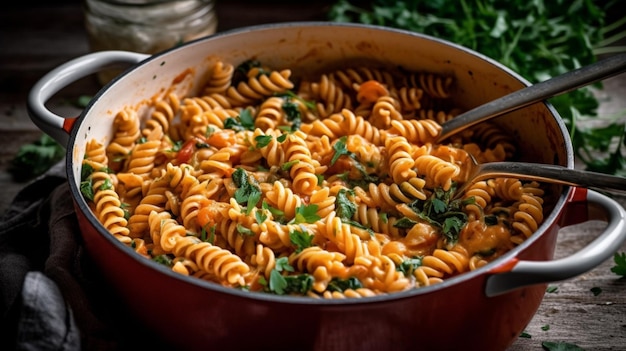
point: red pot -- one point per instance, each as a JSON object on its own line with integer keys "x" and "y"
{"x": 485, "y": 309}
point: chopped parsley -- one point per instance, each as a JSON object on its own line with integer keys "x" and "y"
{"x": 165, "y": 260}
{"x": 340, "y": 149}
{"x": 409, "y": 266}
{"x": 106, "y": 185}
{"x": 248, "y": 192}
{"x": 293, "y": 114}
{"x": 86, "y": 188}
{"x": 288, "y": 284}
{"x": 36, "y": 158}
{"x": 306, "y": 214}
{"x": 287, "y": 165}
{"x": 552, "y": 289}
{"x": 210, "y": 236}
{"x": 262, "y": 140}
{"x": 241, "y": 229}
{"x": 260, "y": 216}
{"x": 620, "y": 264}
{"x": 560, "y": 346}
{"x": 244, "y": 121}
{"x": 344, "y": 206}
{"x": 441, "y": 211}
{"x": 301, "y": 239}
{"x": 341, "y": 285}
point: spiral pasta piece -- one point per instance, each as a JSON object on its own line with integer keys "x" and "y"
{"x": 416, "y": 131}
{"x": 258, "y": 86}
{"x": 302, "y": 169}
{"x": 333, "y": 97}
{"x": 220, "y": 76}
{"x": 283, "y": 199}
{"x": 438, "y": 171}
{"x": 400, "y": 161}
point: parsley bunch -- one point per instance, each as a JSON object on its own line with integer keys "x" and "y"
{"x": 538, "y": 39}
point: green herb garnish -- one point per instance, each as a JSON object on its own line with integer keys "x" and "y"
{"x": 244, "y": 121}
{"x": 409, "y": 266}
{"x": 286, "y": 284}
{"x": 248, "y": 192}
{"x": 36, "y": 158}
{"x": 306, "y": 214}
{"x": 341, "y": 285}
{"x": 164, "y": 260}
{"x": 620, "y": 264}
{"x": 441, "y": 211}
{"x": 560, "y": 346}
{"x": 301, "y": 239}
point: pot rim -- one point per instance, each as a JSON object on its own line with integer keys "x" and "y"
{"x": 83, "y": 207}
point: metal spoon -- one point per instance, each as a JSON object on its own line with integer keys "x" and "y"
{"x": 521, "y": 98}
{"x": 542, "y": 173}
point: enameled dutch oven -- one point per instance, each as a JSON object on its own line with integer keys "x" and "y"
{"x": 485, "y": 309}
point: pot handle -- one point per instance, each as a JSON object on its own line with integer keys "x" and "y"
{"x": 517, "y": 274}
{"x": 59, "y": 127}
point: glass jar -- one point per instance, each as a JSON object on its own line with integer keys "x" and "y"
{"x": 146, "y": 26}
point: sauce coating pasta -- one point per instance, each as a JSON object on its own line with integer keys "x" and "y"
{"x": 329, "y": 187}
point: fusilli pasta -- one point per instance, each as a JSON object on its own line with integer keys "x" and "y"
{"x": 326, "y": 187}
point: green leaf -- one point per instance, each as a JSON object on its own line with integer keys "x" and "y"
{"x": 241, "y": 229}
{"x": 306, "y": 214}
{"x": 438, "y": 206}
{"x": 36, "y": 158}
{"x": 282, "y": 264}
{"x": 596, "y": 291}
{"x": 106, "y": 185}
{"x": 260, "y": 216}
{"x": 83, "y": 101}
{"x": 262, "y": 140}
{"x": 85, "y": 171}
{"x": 404, "y": 223}
{"x": 452, "y": 228}
{"x": 301, "y": 239}
{"x": 340, "y": 149}
{"x": 344, "y": 206}
{"x": 278, "y": 283}
{"x": 292, "y": 112}
{"x": 408, "y": 266}
{"x": 210, "y": 236}
{"x": 552, "y": 289}
{"x": 442, "y": 212}
{"x": 253, "y": 199}
{"x": 248, "y": 192}
{"x": 620, "y": 264}
{"x": 163, "y": 259}
{"x": 560, "y": 346}
{"x": 341, "y": 285}
{"x": 245, "y": 121}
{"x": 287, "y": 165}
{"x": 286, "y": 284}
{"x": 86, "y": 189}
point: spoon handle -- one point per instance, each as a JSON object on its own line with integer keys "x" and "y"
{"x": 551, "y": 174}
{"x": 534, "y": 93}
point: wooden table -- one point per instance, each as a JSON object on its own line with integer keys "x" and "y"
{"x": 34, "y": 38}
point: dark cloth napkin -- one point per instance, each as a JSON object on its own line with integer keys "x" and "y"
{"x": 52, "y": 297}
